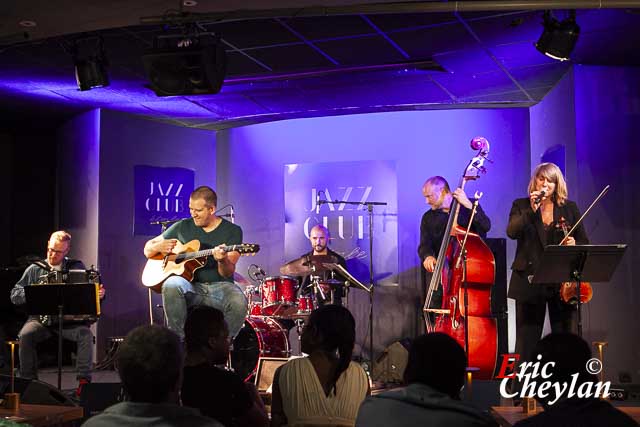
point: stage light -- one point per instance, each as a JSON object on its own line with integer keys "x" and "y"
{"x": 186, "y": 65}
{"x": 91, "y": 72}
{"x": 558, "y": 38}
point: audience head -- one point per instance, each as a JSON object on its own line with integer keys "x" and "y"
{"x": 206, "y": 331}
{"x": 330, "y": 329}
{"x": 570, "y": 355}
{"x": 149, "y": 362}
{"x": 438, "y": 361}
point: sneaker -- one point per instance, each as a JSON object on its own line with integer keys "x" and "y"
{"x": 81, "y": 383}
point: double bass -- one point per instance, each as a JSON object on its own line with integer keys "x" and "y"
{"x": 469, "y": 321}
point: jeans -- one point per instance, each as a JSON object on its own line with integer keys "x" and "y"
{"x": 34, "y": 332}
{"x": 178, "y": 294}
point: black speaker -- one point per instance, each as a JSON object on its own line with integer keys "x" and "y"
{"x": 499, "y": 294}
{"x": 35, "y": 392}
{"x": 96, "y": 397}
{"x": 192, "y": 70}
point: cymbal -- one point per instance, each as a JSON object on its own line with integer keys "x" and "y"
{"x": 306, "y": 265}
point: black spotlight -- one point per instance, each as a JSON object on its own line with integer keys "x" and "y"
{"x": 558, "y": 38}
{"x": 186, "y": 66}
{"x": 91, "y": 72}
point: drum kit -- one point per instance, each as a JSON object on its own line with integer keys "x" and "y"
{"x": 277, "y": 304}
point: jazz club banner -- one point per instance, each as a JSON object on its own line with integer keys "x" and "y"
{"x": 160, "y": 194}
{"x": 338, "y": 183}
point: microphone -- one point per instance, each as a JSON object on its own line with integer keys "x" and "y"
{"x": 539, "y": 197}
{"x": 317, "y": 203}
{"x": 261, "y": 271}
{"x": 232, "y": 214}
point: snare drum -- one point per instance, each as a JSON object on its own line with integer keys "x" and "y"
{"x": 279, "y": 295}
{"x": 260, "y": 337}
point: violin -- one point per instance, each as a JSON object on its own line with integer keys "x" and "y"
{"x": 569, "y": 290}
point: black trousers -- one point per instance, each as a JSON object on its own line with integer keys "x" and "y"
{"x": 530, "y": 322}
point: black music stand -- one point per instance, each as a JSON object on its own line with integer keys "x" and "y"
{"x": 60, "y": 300}
{"x": 579, "y": 263}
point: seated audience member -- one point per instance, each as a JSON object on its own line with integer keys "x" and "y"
{"x": 218, "y": 393}
{"x": 149, "y": 362}
{"x": 325, "y": 388}
{"x": 434, "y": 376}
{"x": 570, "y": 353}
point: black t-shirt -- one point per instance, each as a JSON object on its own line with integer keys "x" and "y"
{"x": 225, "y": 233}
{"x": 217, "y": 393}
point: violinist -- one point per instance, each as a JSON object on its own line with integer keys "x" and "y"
{"x": 535, "y": 222}
{"x": 434, "y": 222}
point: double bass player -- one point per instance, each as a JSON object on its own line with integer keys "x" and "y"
{"x": 439, "y": 197}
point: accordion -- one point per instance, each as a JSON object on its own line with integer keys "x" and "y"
{"x": 72, "y": 277}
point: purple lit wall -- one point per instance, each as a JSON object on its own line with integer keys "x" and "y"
{"x": 607, "y": 105}
{"x": 78, "y": 183}
{"x": 251, "y": 160}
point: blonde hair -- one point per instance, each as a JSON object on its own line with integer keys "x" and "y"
{"x": 551, "y": 172}
{"x": 61, "y": 236}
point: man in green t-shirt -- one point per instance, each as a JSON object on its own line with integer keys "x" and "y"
{"x": 212, "y": 284}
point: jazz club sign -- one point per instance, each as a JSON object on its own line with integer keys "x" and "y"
{"x": 160, "y": 194}
{"x": 345, "y": 189}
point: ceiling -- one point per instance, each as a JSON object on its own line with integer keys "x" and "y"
{"x": 286, "y": 63}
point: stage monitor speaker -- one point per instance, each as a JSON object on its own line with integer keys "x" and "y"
{"x": 194, "y": 70}
{"x": 35, "y": 392}
{"x": 266, "y": 370}
{"x": 390, "y": 365}
{"x": 499, "y": 294}
{"x": 96, "y": 397}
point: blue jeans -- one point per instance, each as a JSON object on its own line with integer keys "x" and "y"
{"x": 178, "y": 294}
{"x": 34, "y": 332}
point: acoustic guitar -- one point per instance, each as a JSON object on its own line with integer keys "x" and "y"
{"x": 186, "y": 259}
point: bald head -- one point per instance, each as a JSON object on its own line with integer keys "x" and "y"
{"x": 319, "y": 238}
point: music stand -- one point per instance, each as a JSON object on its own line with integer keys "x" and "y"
{"x": 579, "y": 263}
{"x": 69, "y": 299}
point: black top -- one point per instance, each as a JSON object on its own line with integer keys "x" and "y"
{"x": 527, "y": 228}
{"x": 218, "y": 394}
{"x": 433, "y": 225}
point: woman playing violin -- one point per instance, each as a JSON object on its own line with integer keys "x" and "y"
{"x": 535, "y": 222}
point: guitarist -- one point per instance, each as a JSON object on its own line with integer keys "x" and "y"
{"x": 213, "y": 283}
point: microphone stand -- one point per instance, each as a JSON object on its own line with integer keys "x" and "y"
{"x": 163, "y": 227}
{"x": 370, "y": 206}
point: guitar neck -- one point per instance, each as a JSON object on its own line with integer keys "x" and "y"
{"x": 204, "y": 253}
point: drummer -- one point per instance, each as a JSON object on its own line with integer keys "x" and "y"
{"x": 322, "y": 281}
